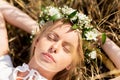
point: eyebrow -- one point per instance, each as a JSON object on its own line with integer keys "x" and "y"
{"x": 69, "y": 44}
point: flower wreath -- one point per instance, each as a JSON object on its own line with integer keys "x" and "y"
{"x": 79, "y": 20}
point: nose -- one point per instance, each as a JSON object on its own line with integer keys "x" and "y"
{"x": 53, "y": 50}
{"x": 54, "y": 47}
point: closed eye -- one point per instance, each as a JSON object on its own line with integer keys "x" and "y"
{"x": 52, "y": 37}
{"x": 67, "y": 48}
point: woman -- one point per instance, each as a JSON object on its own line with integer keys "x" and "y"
{"x": 42, "y": 57}
{"x": 65, "y": 49}
{"x": 56, "y": 50}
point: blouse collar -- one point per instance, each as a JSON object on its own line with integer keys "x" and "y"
{"x": 32, "y": 73}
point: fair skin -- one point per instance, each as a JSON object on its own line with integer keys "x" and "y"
{"x": 16, "y": 17}
{"x": 113, "y": 51}
{"x": 57, "y": 43}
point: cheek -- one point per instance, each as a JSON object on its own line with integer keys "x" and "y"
{"x": 41, "y": 46}
{"x": 65, "y": 59}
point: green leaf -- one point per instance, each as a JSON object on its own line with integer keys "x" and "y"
{"x": 103, "y": 38}
{"x": 74, "y": 27}
{"x": 54, "y": 17}
{"x": 72, "y": 14}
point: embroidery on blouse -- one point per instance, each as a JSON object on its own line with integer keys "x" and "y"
{"x": 33, "y": 74}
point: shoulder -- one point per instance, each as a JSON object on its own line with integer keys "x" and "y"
{"x": 5, "y": 61}
{"x": 6, "y": 67}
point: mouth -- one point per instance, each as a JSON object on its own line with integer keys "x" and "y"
{"x": 49, "y": 57}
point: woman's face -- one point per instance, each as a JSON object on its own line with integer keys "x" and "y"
{"x": 55, "y": 48}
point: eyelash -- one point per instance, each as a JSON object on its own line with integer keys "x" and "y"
{"x": 51, "y": 37}
{"x": 66, "y": 50}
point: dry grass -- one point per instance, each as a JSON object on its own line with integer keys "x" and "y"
{"x": 106, "y": 18}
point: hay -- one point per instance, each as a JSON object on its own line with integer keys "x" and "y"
{"x": 106, "y": 18}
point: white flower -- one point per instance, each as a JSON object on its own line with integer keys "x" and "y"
{"x": 91, "y": 35}
{"x": 84, "y": 20}
{"x": 54, "y": 11}
{"x": 88, "y": 26}
{"x": 81, "y": 16}
{"x": 67, "y": 10}
{"x": 92, "y": 55}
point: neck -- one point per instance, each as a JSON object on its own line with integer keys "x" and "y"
{"x": 33, "y": 65}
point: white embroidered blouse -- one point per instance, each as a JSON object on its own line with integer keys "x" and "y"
{"x": 8, "y": 72}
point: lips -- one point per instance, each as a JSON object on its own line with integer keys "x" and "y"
{"x": 49, "y": 57}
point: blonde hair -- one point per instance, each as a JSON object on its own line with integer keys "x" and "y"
{"x": 78, "y": 57}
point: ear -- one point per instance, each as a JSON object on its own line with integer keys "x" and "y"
{"x": 68, "y": 67}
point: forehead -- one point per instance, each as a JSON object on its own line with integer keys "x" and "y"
{"x": 65, "y": 33}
